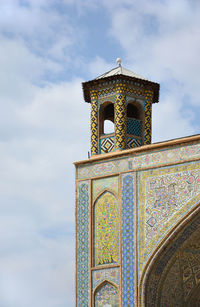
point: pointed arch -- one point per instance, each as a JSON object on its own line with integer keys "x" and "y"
{"x": 106, "y": 293}
{"x": 104, "y": 282}
{"x": 167, "y": 260}
{"x": 106, "y": 190}
{"x": 105, "y": 229}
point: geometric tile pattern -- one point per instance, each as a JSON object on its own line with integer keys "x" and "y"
{"x": 107, "y": 91}
{"x": 83, "y": 245}
{"x": 106, "y": 225}
{"x": 128, "y": 250}
{"x": 171, "y": 292}
{"x": 148, "y": 112}
{"x": 111, "y": 274}
{"x": 107, "y": 144}
{"x": 189, "y": 259}
{"x": 165, "y": 195}
{"x": 94, "y": 123}
{"x": 133, "y": 142}
{"x": 132, "y": 91}
{"x": 107, "y": 295}
{"x": 120, "y": 121}
{"x": 134, "y": 126}
{"x": 145, "y": 159}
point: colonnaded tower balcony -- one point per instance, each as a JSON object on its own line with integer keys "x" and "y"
{"x": 121, "y": 109}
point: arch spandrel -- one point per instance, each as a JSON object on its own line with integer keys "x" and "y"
{"x": 166, "y": 196}
{"x": 111, "y": 275}
{"x": 99, "y": 186}
{"x": 173, "y": 277}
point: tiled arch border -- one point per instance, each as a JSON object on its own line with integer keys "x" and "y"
{"x": 172, "y": 235}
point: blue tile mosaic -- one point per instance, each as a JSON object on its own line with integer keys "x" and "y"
{"x": 128, "y": 251}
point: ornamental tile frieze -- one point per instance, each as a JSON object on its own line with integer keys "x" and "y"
{"x": 133, "y": 90}
{"x": 139, "y": 161}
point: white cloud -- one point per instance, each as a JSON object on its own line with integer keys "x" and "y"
{"x": 98, "y": 66}
{"x": 169, "y": 121}
{"x": 38, "y": 275}
{"x": 43, "y": 130}
{"x": 37, "y": 198}
{"x": 56, "y": 105}
{"x": 19, "y": 64}
{"x": 40, "y": 25}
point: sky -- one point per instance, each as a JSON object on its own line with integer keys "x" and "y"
{"x": 47, "y": 48}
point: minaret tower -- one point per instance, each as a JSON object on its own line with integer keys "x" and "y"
{"x": 106, "y": 238}
{"x": 124, "y": 99}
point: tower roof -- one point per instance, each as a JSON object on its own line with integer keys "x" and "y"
{"x": 119, "y": 73}
{"x": 120, "y": 70}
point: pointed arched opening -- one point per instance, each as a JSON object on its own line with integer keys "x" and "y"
{"x": 173, "y": 276}
{"x": 106, "y": 118}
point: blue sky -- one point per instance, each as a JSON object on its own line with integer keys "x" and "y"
{"x": 47, "y": 48}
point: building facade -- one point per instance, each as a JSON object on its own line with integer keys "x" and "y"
{"x": 137, "y": 203}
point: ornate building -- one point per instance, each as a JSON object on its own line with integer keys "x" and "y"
{"x": 137, "y": 203}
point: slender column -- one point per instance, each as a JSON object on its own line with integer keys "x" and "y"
{"x": 148, "y": 112}
{"x": 120, "y": 118}
{"x": 94, "y": 122}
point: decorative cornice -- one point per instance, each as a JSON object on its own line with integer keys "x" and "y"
{"x": 98, "y": 84}
{"x": 144, "y": 148}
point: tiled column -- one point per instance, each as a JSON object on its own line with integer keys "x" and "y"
{"x": 120, "y": 119}
{"x": 94, "y": 122}
{"x": 147, "y": 123}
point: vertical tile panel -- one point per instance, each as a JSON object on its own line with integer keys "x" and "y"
{"x": 83, "y": 245}
{"x": 128, "y": 250}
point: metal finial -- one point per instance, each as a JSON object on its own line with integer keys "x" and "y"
{"x": 119, "y": 61}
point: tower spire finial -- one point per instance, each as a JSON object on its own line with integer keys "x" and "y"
{"x": 119, "y": 62}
